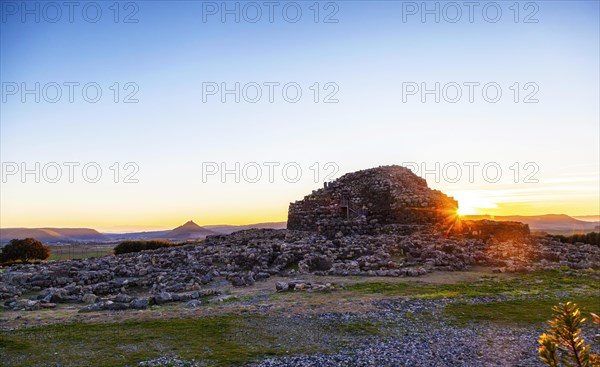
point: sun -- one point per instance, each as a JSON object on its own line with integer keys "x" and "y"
{"x": 472, "y": 202}
{"x": 465, "y": 210}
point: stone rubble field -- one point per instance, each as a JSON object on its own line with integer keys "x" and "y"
{"x": 178, "y": 274}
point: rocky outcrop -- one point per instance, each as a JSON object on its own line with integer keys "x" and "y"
{"x": 364, "y": 201}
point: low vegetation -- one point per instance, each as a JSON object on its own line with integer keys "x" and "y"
{"x": 592, "y": 238}
{"x": 539, "y": 283}
{"x": 563, "y": 344}
{"x": 25, "y": 250}
{"x": 223, "y": 340}
{"x": 511, "y": 312}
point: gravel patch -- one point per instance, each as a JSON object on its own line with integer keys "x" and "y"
{"x": 414, "y": 335}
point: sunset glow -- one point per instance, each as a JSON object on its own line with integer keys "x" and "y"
{"x": 153, "y": 152}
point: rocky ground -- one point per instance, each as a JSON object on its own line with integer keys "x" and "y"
{"x": 137, "y": 280}
{"x": 404, "y": 297}
{"x": 462, "y": 318}
{"x": 409, "y": 341}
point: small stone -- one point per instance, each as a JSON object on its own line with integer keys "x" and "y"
{"x": 193, "y": 303}
{"x": 32, "y": 305}
{"x": 281, "y": 286}
{"x": 139, "y": 303}
{"x": 89, "y": 298}
{"x": 123, "y": 298}
{"x": 163, "y": 297}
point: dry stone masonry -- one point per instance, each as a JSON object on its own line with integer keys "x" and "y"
{"x": 364, "y": 201}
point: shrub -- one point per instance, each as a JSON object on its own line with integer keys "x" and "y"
{"x": 563, "y": 345}
{"x": 141, "y": 245}
{"x": 24, "y": 250}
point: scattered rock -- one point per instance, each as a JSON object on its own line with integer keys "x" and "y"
{"x": 281, "y": 286}
{"x": 123, "y": 298}
{"x": 33, "y": 305}
{"x": 162, "y": 297}
{"x": 139, "y": 303}
{"x": 193, "y": 303}
{"x": 89, "y": 298}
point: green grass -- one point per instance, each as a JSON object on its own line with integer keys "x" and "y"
{"x": 528, "y": 311}
{"x": 526, "y": 284}
{"x": 79, "y": 251}
{"x": 536, "y": 294}
{"x": 360, "y": 327}
{"x": 223, "y": 340}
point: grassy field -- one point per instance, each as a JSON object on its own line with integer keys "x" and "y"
{"x": 542, "y": 283}
{"x": 79, "y": 251}
{"x": 224, "y": 340}
{"x": 233, "y": 338}
{"x": 528, "y": 311}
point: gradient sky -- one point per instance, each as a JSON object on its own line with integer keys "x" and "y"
{"x": 368, "y": 53}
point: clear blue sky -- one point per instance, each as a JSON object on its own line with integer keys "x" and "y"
{"x": 368, "y": 53}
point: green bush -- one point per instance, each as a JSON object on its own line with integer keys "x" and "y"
{"x": 141, "y": 245}
{"x": 24, "y": 250}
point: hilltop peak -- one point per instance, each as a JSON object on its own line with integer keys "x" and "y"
{"x": 190, "y": 224}
{"x": 188, "y": 231}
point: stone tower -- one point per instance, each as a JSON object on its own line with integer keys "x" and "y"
{"x": 362, "y": 201}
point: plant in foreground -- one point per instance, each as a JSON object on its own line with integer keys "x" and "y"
{"x": 563, "y": 344}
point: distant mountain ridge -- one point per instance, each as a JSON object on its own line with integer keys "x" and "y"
{"x": 52, "y": 234}
{"x": 188, "y": 231}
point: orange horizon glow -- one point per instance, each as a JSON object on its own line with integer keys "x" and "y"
{"x": 138, "y": 208}
{"x": 242, "y": 219}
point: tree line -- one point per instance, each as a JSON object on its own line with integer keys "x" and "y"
{"x": 592, "y": 238}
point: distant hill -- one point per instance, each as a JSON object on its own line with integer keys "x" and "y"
{"x": 192, "y": 231}
{"x": 187, "y": 231}
{"x": 551, "y": 223}
{"x": 52, "y": 234}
